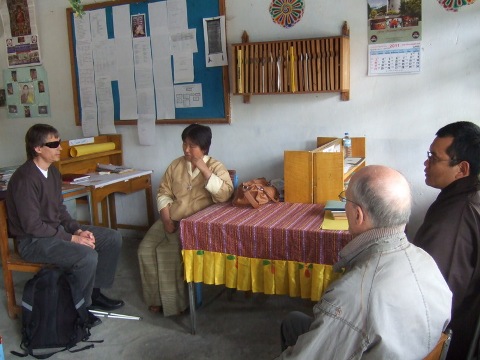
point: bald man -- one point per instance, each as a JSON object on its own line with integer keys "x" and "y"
{"x": 392, "y": 301}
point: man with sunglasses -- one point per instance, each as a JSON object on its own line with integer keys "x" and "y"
{"x": 46, "y": 233}
{"x": 391, "y": 301}
{"x": 451, "y": 228}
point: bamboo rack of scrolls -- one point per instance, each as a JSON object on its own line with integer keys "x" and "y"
{"x": 293, "y": 66}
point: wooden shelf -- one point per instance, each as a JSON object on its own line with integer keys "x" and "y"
{"x": 88, "y": 163}
{"x": 292, "y": 66}
{"x": 315, "y": 176}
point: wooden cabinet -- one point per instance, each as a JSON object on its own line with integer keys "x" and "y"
{"x": 293, "y": 66}
{"x": 318, "y": 175}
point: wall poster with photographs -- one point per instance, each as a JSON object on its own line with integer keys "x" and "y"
{"x": 20, "y": 32}
{"x": 26, "y": 92}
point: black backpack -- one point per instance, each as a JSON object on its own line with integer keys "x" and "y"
{"x": 54, "y": 314}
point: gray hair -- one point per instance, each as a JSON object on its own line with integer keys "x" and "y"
{"x": 386, "y": 199}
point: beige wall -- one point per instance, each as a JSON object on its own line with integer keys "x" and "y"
{"x": 399, "y": 115}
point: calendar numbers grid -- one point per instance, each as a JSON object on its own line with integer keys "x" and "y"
{"x": 394, "y": 58}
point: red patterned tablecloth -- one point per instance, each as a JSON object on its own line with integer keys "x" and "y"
{"x": 276, "y": 231}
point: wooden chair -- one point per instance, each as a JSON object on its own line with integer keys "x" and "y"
{"x": 474, "y": 349}
{"x": 440, "y": 350}
{"x": 11, "y": 261}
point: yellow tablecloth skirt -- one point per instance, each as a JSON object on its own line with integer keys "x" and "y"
{"x": 279, "y": 277}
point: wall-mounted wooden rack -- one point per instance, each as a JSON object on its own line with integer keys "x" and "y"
{"x": 293, "y": 66}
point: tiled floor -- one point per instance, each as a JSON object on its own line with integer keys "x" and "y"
{"x": 239, "y": 327}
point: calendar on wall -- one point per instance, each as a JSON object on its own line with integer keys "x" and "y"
{"x": 394, "y": 58}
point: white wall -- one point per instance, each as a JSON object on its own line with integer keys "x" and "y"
{"x": 399, "y": 115}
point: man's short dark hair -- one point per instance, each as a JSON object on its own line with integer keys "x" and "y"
{"x": 465, "y": 145}
{"x": 200, "y": 135}
{"x": 36, "y": 136}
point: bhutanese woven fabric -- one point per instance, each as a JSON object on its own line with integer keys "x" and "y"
{"x": 278, "y": 248}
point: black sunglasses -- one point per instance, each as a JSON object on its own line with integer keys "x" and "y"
{"x": 53, "y": 144}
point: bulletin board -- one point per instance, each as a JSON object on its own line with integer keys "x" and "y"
{"x": 214, "y": 80}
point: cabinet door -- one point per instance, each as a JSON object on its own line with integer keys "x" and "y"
{"x": 298, "y": 175}
{"x": 328, "y": 176}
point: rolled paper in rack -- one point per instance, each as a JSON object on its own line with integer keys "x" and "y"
{"x": 91, "y": 149}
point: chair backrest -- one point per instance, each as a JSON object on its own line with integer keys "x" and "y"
{"x": 4, "y": 249}
{"x": 234, "y": 177}
{"x": 11, "y": 261}
{"x": 440, "y": 350}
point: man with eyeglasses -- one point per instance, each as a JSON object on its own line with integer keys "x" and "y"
{"x": 391, "y": 301}
{"x": 46, "y": 233}
{"x": 451, "y": 228}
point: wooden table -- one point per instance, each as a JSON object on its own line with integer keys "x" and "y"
{"x": 276, "y": 249}
{"x": 104, "y": 187}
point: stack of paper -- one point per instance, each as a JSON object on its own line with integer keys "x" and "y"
{"x": 116, "y": 169}
{"x": 5, "y": 175}
{"x": 337, "y": 209}
{"x": 329, "y": 223}
{"x": 75, "y": 178}
{"x": 335, "y": 217}
{"x": 339, "y": 215}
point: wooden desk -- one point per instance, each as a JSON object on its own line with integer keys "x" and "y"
{"x": 104, "y": 187}
{"x": 278, "y": 248}
{"x": 71, "y": 193}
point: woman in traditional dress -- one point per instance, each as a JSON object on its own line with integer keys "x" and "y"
{"x": 190, "y": 183}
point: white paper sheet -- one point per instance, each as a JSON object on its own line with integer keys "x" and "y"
{"x": 161, "y": 56}
{"x": 177, "y": 15}
{"x": 86, "y": 76}
{"x": 98, "y": 25}
{"x": 146, "y": 129}
{"x": 143, "y": 76}
{"x": 183, "y": 68}
{"x": 188, "y": 96}
{"x": 184, "y": 41}
{"x": 124, "y": 55}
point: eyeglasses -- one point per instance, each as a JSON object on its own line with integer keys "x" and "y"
{"x": 53, "y": 144}
{"x": 434, "y": 159}
{"x": 342, "y": 197}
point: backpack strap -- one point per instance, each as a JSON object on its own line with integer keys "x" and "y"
{"x": 46, "y": 356}
{"x": 28, "y": 351}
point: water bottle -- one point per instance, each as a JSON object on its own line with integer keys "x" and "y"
{"x": 347, "y": 146}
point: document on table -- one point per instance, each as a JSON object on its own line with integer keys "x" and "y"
{"x": 329, "y": 223}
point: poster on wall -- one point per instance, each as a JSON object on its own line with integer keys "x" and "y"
{"x": 20, "y": 32}
{"x": 27, "y": 93}
{"x": 215, "y": 41}
{"x": 394, "y": 36}
{"x": 392, "y": 21}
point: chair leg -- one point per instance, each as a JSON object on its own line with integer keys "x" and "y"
{"x": 10, "y": 292}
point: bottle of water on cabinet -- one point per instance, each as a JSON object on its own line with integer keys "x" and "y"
{"x": 347, "y": 146}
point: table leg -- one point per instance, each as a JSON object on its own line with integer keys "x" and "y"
{"x": 104, "y": 206}
{"x": 193, "y": 315}
{"x": 95, "y": 213}
{"x": 113, "y": 211}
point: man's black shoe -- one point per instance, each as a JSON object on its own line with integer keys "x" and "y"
{"x": 104, "y": 303}
{"x": 92, "y": 320}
